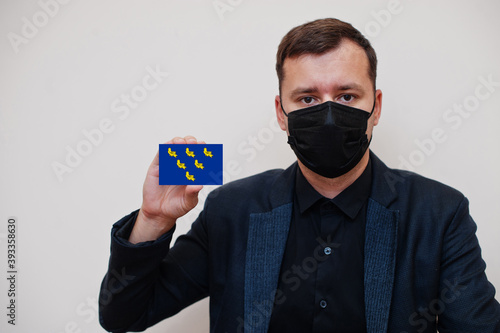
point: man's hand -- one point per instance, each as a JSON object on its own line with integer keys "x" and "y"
{"x": 163, "y": 205}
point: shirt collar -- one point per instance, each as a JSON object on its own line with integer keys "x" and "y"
{"x": 349, "y": 201}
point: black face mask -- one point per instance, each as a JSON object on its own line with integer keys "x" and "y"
{"x": 329, "y": 138}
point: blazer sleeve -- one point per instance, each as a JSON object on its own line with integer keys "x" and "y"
{"x": 148, "y": 282}
{"x": 466, "y": 302}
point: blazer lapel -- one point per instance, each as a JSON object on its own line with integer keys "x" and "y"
{"x": 380, "y": 263}
{"x": 267, "y": 236}
{"x": 380, "y": 248}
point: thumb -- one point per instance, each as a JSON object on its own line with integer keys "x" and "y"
{"x": 191, "y": 195}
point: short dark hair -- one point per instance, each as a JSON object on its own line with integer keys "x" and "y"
{"x": 321, "y": 36}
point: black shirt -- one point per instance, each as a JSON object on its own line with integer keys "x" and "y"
{"x": 321, "y": 285}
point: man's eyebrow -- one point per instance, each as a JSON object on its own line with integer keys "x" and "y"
{"x": 350, "y": 86}
{"x": 300, "y": 91}
{"x": 344, "y": 87}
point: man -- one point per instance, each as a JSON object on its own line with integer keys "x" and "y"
{"x": 338, "y": 242}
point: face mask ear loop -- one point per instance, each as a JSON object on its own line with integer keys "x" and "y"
{"x": 373, "y": 107}
{"x": 282, "y": 108}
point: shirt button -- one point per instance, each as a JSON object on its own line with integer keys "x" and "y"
{"x": 328, "y": 250}
{"x": 323, "y": 304}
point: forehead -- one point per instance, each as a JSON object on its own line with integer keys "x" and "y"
{"x": 347, "y": 63}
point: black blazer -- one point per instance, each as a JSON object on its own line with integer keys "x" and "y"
{"x": 423, "y": 266}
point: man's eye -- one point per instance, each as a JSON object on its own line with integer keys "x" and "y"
{"x": 346, "y": 98}
{"x": 307, "y": 100}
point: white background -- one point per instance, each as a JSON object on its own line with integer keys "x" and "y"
{"x": 221, "y": 85}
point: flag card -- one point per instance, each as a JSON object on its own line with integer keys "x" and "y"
{"x": 190, "y": 164}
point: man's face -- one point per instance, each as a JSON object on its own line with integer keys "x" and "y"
{"x": 340, "y": 76}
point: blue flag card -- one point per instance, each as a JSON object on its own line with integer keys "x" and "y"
{"x": 190, "y": 164}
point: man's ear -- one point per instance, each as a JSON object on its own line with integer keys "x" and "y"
{"x": 279, "y": 113}
{"x": 378, "y": 107}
